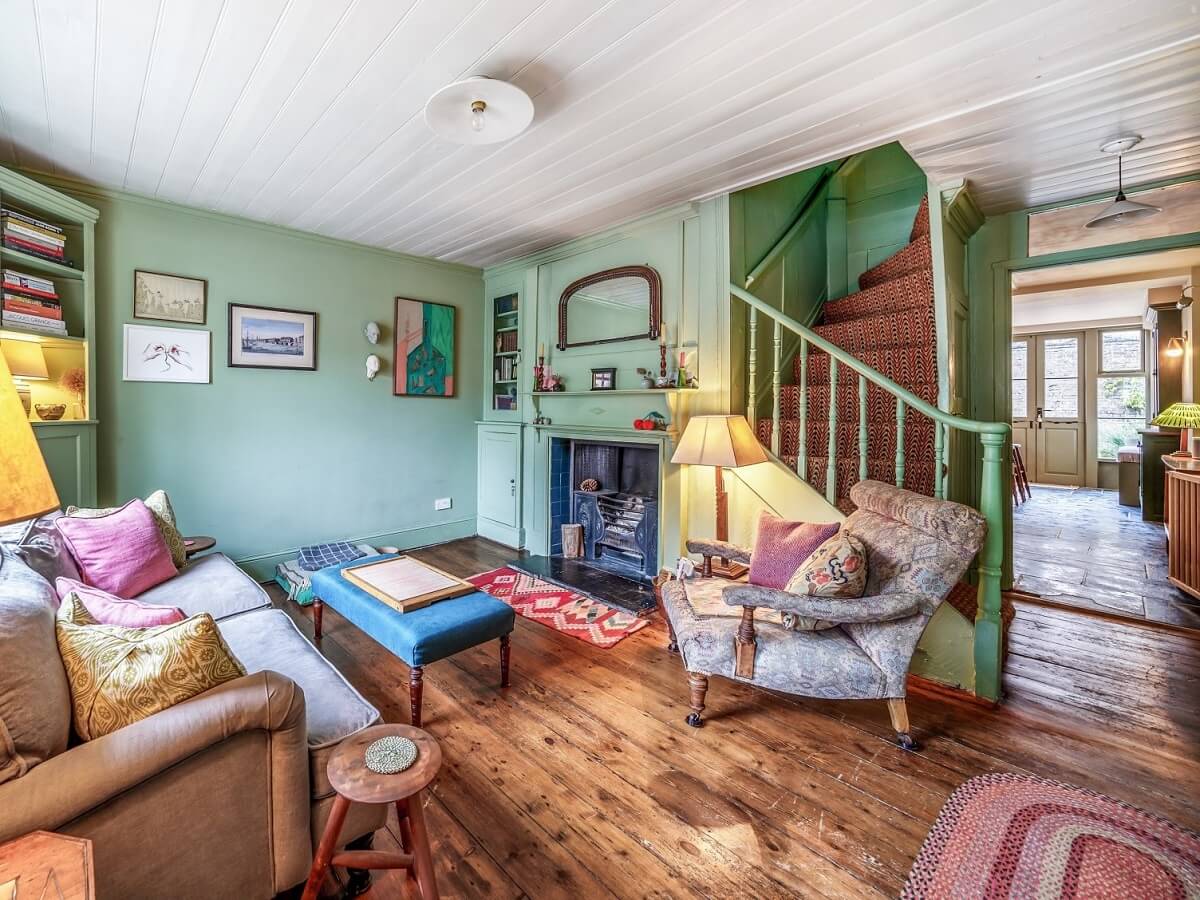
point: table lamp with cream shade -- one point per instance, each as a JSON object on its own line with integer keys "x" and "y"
{"x": 26, "y": 363}
{"x": 721, "y": 442}
{"x": 1182, "y": 415}
{"x": 26, "y": 490}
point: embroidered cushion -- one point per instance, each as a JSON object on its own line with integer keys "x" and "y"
{"x": 159, "y": 505}
{"x": 781, "y": 546}
{"x": 119, "y": 676}
{"x": 122, "y": 553}
{"x": 838, "y": 569}
{"x": 108, "y": 609}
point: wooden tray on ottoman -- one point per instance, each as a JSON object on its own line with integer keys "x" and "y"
{"x": 404, "y": 583}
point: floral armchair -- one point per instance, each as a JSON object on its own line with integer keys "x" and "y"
{"x": 917, "y": 549}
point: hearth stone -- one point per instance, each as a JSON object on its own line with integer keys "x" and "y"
{"x": 589, "y": 580}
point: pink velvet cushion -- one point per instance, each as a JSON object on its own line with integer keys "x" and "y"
{"x": 109, "y": 609}
{"x": 122, "y": 553}
{"x": 782, "y": 546}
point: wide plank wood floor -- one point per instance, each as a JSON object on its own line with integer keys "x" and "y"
{"x": 581, "y": 780}
{"x": 1079, "y": 547}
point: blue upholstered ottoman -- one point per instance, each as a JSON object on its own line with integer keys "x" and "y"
{"x": 421, "y": 636}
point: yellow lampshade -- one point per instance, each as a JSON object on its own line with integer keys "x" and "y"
{"x": 25, "y": 486}
{"x": 726, "y": 441}
{"x": 25, "y": 360}
{"x": 1179, "y": 415}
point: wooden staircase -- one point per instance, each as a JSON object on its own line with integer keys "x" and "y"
{"x": 889, "y": 325}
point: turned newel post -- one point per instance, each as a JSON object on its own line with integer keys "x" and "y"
{"x": 745, "y": 645}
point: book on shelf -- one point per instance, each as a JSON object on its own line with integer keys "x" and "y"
{"x": 20, "y": 305}
{"x": 27, "y": 219}
{"x": 29, "y": 233}
{"x": 506, "y": 341}
{"x": 503, "y": 401}
{"x": 13, "y": 243}
{"x": 30, "y": 284}
{"x": 33, "y": 323}
{"x": 505, "y": 305}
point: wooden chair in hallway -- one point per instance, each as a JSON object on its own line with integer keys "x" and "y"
{"x": 1021, "y": 490}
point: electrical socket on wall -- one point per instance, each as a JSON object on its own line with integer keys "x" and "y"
{"x": 443, "y": 503}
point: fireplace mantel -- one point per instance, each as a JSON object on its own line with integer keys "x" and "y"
{"x": 600, "y": 432}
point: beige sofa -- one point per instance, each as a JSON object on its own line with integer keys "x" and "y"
{"x": 224, "y": 795}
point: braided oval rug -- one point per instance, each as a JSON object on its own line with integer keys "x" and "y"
{"x": 1018, "y": 836}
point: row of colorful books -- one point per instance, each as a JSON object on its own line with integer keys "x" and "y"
{"x": 506, "y": 368}
{"x": 31, "y": 303}
{"x": 37, "y": 237}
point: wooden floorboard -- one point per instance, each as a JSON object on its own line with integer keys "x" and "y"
{"x": 581, "y": 779}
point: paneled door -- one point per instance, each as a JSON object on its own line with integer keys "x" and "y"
{"x": 1050, "y": 422}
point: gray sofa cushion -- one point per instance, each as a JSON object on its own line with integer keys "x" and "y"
{"x": 42, "y": 548}
{"x": 211, "y": 584}
{"x": 35, "y": 701}
{"x": 269, "y": 640}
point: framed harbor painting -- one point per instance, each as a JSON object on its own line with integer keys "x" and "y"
{"x": 169, "y": 298}
{"x": 262, "y": 337}
{"x": 424, "y": 364}
{"x": 154, "y": 353}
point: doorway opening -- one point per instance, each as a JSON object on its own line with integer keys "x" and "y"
{"x": 1099, "y": 349}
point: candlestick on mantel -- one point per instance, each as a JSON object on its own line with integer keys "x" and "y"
{"x": 541, "y": 351}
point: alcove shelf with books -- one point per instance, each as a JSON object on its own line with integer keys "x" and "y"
{"x": 506, "y": 353}
{"x": 48, "y": 323}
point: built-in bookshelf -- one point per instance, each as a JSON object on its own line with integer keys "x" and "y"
{"x": 506, "y": 353}
{"x": 48, "y": 322}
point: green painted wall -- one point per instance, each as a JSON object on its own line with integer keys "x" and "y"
{"x": 883, "y": 190}
{"x": 267, "y": 461}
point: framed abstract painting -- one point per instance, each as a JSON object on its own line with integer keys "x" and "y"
{"x": 424, "y": 364}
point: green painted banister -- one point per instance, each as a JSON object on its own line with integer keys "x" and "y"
{"x": 847, "y": 359}
{"x": 799, "y": 223}
{"x": 752, "y": 368}
{"x": 862, "y": 428}
{"x": 802, "y": 459}
{"x": 994, "y": 437}
{"x": 777, "y": 354}
{"x": 939, "y": 434}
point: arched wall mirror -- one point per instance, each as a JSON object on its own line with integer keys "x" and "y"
{"x": 622, "y": 304}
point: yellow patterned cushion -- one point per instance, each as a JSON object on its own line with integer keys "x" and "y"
{"x": 119, "y": 676}
{"x": 73, "y": 612}
{"x": 159, "y": 505}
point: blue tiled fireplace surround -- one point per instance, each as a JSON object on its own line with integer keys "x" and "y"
{"x": 562, "y": 489}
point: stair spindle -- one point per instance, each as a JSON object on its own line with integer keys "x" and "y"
{"x": 946, "y": 463}
{"x": 862, "y": 428}
{"x": 900, "y": 409}
{"x": 775, "y": 387}
{"x": 831, "y": 462}
{"x": 802, "y": 459}
{"x": 939, "y": 489}
{"x": 752, "y": 371}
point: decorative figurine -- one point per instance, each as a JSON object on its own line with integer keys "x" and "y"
{"x": 647, "y": 379}
{"x": 372, "y": 367}
{"x": 371, "y": 332}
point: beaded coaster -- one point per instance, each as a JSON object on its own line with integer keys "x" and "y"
{"x": 390, "y": 755}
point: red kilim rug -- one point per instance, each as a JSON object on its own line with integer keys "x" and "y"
{"x": 559, "y": 608}
{"x": 1002, "y": 836}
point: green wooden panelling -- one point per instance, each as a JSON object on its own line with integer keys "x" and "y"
{"x": 882, "y": 192}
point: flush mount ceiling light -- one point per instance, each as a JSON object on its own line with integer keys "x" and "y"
{"x": 1121, "y": 211}
{"x": 479, "y": 110}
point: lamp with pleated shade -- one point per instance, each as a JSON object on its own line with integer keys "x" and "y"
{"x": 721, "y": 442}
{"x": 1182, "y": 415}
{"x": 26, "y": 490}
{"x": 26, "y": 363}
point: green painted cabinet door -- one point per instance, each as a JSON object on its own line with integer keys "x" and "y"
{"x": 500, "y": 483}
{"x": 69, "y": 450}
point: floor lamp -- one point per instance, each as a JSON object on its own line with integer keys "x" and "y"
{"x": 723, "y": 442}
{"x": 26, "y": 490}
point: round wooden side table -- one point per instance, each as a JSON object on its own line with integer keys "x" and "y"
{"x": 354, "y": 782}
{"x": 198, "y": 544}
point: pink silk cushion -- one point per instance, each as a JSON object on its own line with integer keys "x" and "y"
{"x": 109, "y": 609}
{"x": 122, "y": 553}
{"x": 781, "y": 547}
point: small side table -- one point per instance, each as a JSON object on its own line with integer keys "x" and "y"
{"x": 353, "y": 781}
{"x": 45, "y": 864}
{"x": 198, "y": 544}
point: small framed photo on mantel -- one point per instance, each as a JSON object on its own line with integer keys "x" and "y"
{"x": 263, "y": 337}
{"x": 169, "y": 298}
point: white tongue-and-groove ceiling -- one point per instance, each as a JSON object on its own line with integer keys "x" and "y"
{"x": 308, "y": 113}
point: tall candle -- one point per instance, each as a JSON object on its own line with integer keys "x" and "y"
{"x": 662, "y": 334}
{"x": 541, "y": 349}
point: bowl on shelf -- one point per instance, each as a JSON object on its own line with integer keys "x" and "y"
{"x": 50, "y": 412}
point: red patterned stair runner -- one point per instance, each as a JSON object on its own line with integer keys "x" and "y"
{"x": 889, "y": 325}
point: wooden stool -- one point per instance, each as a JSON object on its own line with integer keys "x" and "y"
{"x": 1020, "y": 475}
{"x": 353, "y": 781}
